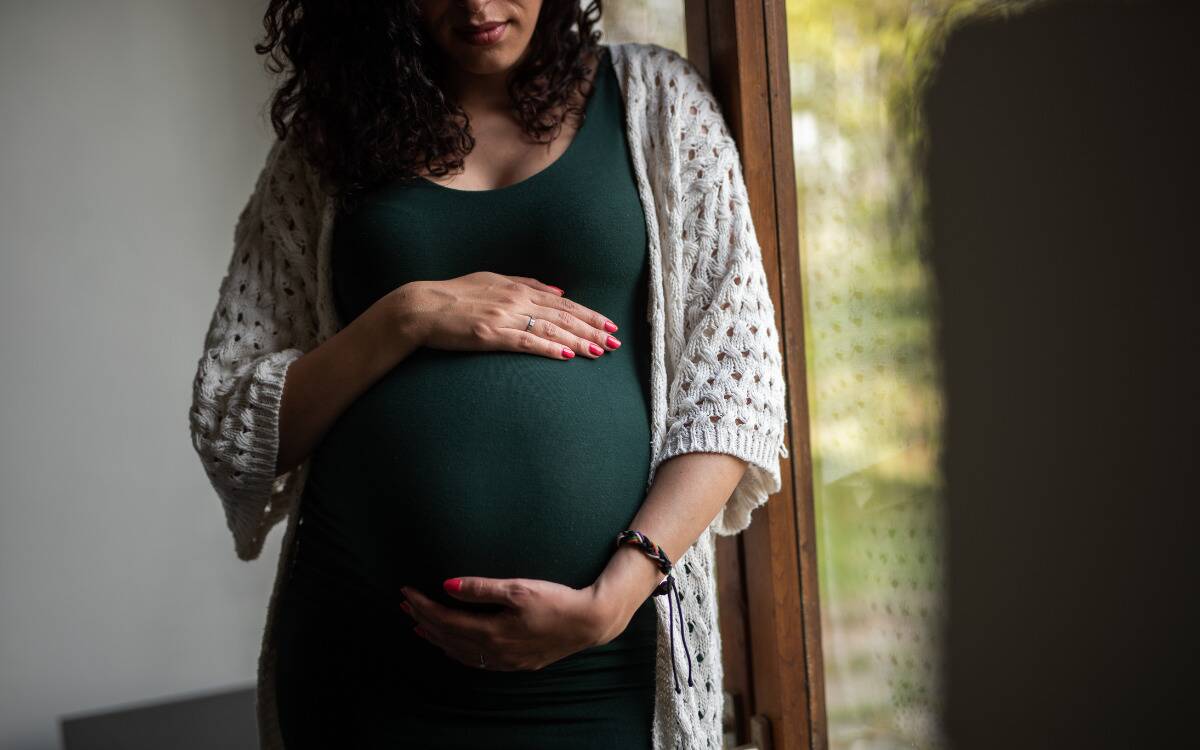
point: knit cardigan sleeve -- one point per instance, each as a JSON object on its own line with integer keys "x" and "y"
{"x": 263, "y": 321}
{"x": 727, "y": 389}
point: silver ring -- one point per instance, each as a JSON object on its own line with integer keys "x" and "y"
{"x": 482, "y": 662}
{"x": 529, "y": 325}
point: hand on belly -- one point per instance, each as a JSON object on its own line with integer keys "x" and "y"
{"x": 536, "y": 623}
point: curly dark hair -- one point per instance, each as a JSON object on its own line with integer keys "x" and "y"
{"x": 361, "y": 87}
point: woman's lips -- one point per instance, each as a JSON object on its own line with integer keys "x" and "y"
{"x": 488, "y": 33}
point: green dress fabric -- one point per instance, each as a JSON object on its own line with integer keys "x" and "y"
{"x": 473, "y": 463}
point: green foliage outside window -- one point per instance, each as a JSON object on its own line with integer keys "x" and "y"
{"x": 857, "y": 71}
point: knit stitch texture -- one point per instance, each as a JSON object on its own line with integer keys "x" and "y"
{"x": 716, "y": 377}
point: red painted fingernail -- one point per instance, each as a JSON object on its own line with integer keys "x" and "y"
{"x": 567, "y": 353}
{"x": 613, "y": 343}
{"x": 453, "y": 584}
{"x": 406, "y": 607}
{"x": 418, "y": 631}
{"x": 556, "y": 289}
{"x": 610, "y": 326}
{"x": 594, "y": 349}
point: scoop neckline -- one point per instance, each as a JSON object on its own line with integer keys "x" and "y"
{"x": 602, "y": 60}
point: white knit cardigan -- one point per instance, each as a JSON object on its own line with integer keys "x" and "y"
{"x": 716, "y": 378}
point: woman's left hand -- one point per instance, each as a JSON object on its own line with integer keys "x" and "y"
{"x": 540, "y": 623}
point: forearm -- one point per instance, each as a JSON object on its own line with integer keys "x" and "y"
{"x": 688, "y": 492}
{"x": 324, "y": 382}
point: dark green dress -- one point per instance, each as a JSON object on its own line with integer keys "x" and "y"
{"x": 497, "y": 464}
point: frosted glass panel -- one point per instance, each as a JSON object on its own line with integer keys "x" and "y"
{"x": 657, "y": 21}
{"x": 873, "y": 375}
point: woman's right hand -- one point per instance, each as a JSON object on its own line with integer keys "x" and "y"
{"x": 488, "y": 311}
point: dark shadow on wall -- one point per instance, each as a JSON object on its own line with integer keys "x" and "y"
{"x": 1064, "y": 220}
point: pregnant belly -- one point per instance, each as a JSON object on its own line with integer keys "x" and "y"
{"x": 497, "y": 464}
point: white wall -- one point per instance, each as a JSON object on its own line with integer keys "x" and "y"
{"x": 130, "y": 136}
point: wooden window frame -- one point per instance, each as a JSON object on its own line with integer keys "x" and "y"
{"x": 767, "y": 576}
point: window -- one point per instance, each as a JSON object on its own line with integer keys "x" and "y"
{"x": 833, "y": 601}
{"x": 656, "y": 21}
{"x": 874, "y": 396}
{"x": 822, "y": 96}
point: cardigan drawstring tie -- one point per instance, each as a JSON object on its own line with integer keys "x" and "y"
{"x": 668, "y": 587}
{"x": 665, "y": 588}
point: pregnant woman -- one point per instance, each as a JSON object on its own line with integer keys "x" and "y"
{"x": 486, "y": 476}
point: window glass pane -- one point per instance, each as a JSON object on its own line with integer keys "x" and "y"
{"x": 656, "y": 21}
{"x": 872, "y": 371}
